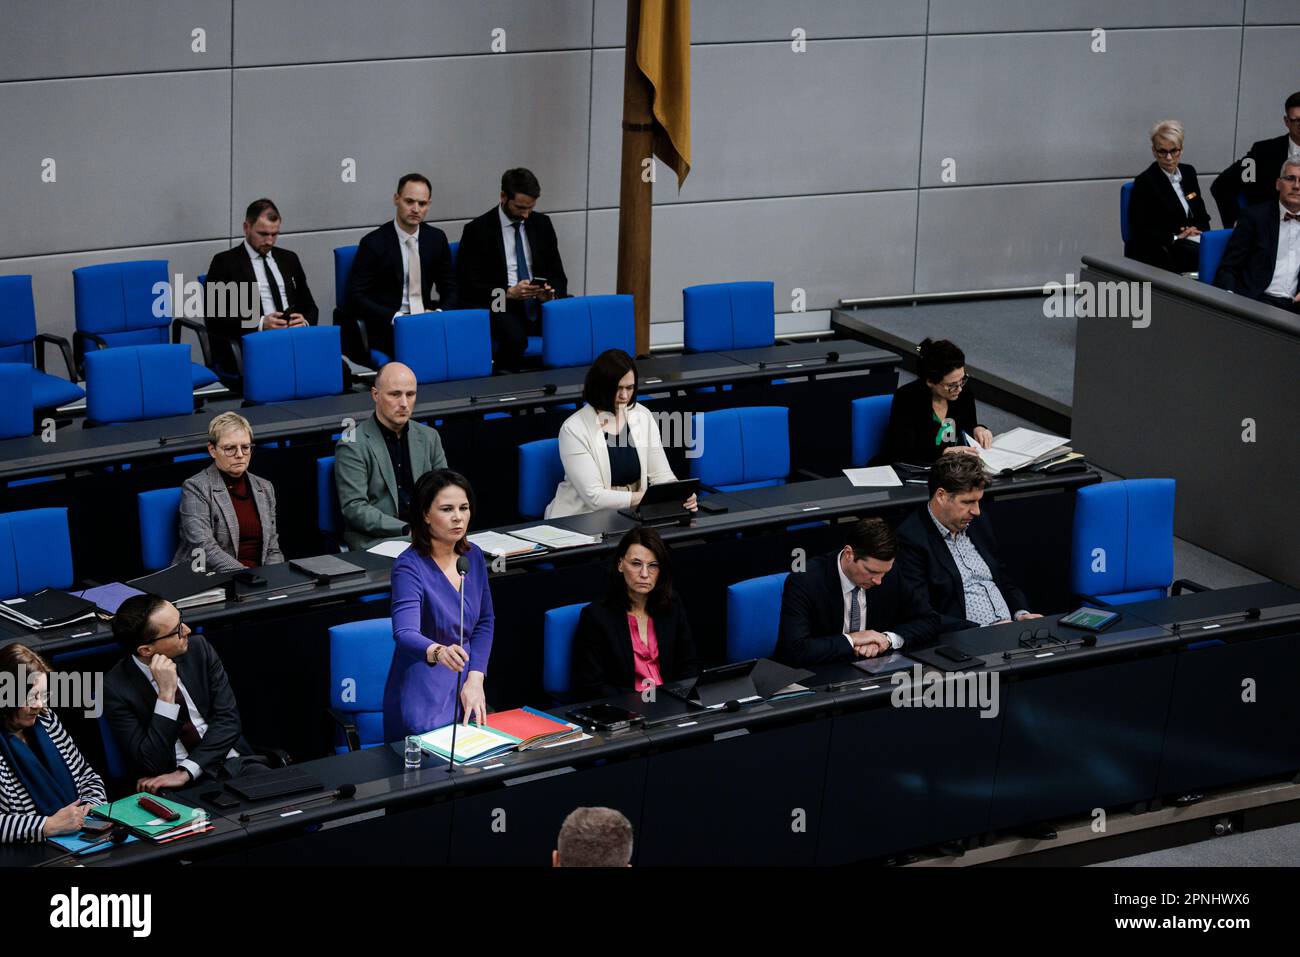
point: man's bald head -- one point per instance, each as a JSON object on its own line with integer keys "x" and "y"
{"x": 394, "y": 395}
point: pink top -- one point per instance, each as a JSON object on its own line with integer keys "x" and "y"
{"x": 645, "y": 655}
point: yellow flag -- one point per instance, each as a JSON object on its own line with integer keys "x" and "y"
{"x": 663, "y": 54}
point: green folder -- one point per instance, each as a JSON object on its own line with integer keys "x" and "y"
{"x": 126, "y": 811}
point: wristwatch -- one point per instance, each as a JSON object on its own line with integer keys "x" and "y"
{"x": 437, "y": 653}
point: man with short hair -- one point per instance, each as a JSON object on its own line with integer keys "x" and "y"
{"x": 594, "y": 837}
{"x": 848, "y": 605}
{"x": 403, "y": 268}
{"x": 1251, "y": 175}
{"x": 283, "y": 298}
{"x": 377, "y": 465}
{"x": 944, "y": 553}
{"x": 509, "y": 262}
{"x": 169, "y": 704}
{"x": 1262, "y": 258}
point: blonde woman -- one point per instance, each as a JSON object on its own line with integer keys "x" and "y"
{"x": 1166, "y": 212}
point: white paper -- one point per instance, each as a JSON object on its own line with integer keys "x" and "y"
{"x": 495, "y": 543}
{"x": 391, "y": 548}
{"x": 553, "y": 537}
{"x": 1027, "y": 442}
{"x": 880, "y": 476}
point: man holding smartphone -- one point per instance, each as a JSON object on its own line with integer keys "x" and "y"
{"x": 509, "y": 263}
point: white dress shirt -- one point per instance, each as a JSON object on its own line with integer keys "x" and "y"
{"x": 852, "y": 592}
{"x": 1288, "y": 257}
{"x": 508, "y": 238}
{"x": 173, "y": 711}
{"x": 1176, "y": 179}
{"x": 263, "y": 289}
{"x": 1292, "y": 149}
{"x": 403, "y": 238}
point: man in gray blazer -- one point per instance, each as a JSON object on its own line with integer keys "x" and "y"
{"x": 377, "y": 465}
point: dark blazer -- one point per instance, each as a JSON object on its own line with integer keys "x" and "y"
{"x": 1250, "y": 257}
{"x": 812, "y": 615}
{"x": 147, "y": 739}
{"x": 481, "y": 260}
{"x": 1269, "y": 155}
{"x": 603, "y": 662}
{"x": 910, "y": 435}
{"x": 927, "y": 565}
{"x": 1155, "y": 215}
{"x": 374, "y": 292}
{"x": 233, "y": 265}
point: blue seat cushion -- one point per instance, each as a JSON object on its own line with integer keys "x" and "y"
{"x": 49, "y": 391}
{"x": 201, "y": 375}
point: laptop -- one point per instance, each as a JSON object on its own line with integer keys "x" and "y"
{"x": 662, "y": 504}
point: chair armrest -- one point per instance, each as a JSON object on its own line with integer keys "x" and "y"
{"x": 1186, "y": 584}
{"x": 236, "y": 348}
{"x": 46, "y": 339}
{"x": 278, "y": 757}
{"x": 1095, "y": 601}
{"x": 348, "y": 727}
{"x": 199, "y": 330}
{"x": 79, "y": 341}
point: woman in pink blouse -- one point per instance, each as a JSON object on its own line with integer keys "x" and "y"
{"x": 638, "y": 636}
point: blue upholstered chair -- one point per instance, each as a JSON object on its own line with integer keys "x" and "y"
{"x": 160, "y": 511}
{"x": 115, "y": 766}
{"x": 576, "y": 330}
{"x": 1213, "y": 243}
{"x": 35, "y": 551}
{"x": 343, "y": 256}
{"x": 753, "y": 617}
{"x": 728, "y": 315}
{"x": 541, "y": 470}
{"x": 19, "y": 340}
{"x": 870, "y": 417}
{"x": 16, "y": 410}
{"x": 558, "y": 629}
{"x": 129, "y": 383}
{"x": 300, "y": 363}
{"x": 439, "y": 346}
{"x": 329, "y": 515}
{"x": 1123, "y": 545}
{"x": 360, "y": 653}
{"x": 743, "y": 448}
{"x": 1125, "y": 196}
{"x": 115, "y": 306}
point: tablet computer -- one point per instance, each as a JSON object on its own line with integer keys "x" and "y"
{"x": 1090, "y": 619}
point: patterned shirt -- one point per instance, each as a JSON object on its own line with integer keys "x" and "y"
{"x": 984, "y": 601}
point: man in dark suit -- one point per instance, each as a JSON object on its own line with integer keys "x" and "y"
{"x": 849, "y": 605}
{"x": 488, "y": 267}
{"x": 1262, "y": 258}
{"x": 953, "y": 559}
{"x": 1251, "y": 176}
{"x": 168, "y": 702}
{"x": 282, "y": 297}
{"x": 386, "y": 281}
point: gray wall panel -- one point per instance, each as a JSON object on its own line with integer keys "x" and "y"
{"x": 131, "y": 167}
{"x": 288, "y": 31}
{"x": 51, "y": 38}
{"x": 730, "y": 21}
{"x": 996, "y": 16}
{"x": 1268, "y": 77}
{"x": 830, "y": 246}
{"x": 990, "y": 237}
{"x": 1024, "y": 115}
{"x": 398, "y": 116}
{"x": 1272, "y": 11}
{"x": 843, "y": 117}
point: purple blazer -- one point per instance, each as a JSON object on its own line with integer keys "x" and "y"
{"x": 426, "y": 608}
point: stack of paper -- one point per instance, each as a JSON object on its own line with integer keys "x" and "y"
{"x": 48, "y": 608}
{"x": 391, "y": 548}
{"x": 499, "y": 545}
{"x": 553, "y": 537}
{"x": 1019, "y": 449}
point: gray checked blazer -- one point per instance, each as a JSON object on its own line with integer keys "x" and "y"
{"x": 208, "y": 521}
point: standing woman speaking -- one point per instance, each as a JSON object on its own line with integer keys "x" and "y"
{"x": 421, "y": 691}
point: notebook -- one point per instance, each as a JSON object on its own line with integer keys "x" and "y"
{"x": 48, "y": 608}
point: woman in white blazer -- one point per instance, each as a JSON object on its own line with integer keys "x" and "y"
{"x": 611, "y": 448}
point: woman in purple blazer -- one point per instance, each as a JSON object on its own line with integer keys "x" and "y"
{"x": 421, "y": 689}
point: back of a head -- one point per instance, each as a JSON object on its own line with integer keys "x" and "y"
{"x": 595, "y": 837}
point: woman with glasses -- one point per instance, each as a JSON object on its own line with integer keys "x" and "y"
{"x": 611, "y": 448}
{"x": 934, "y": 414}
{"x": 227, "y": 511}
{"x": 1166, "y": 212}
{"x": 637, "y": 636}
{"x": 46, "y": 786}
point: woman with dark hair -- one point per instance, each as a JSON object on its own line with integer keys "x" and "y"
{"x": 46, "y": 786}
{"x": 933, "y": 414}
{"x": 611, "y": 448}
{"x": 421, "y": 690}
{"x": 637, "y": 636}
{"x": 1166, "y": 212}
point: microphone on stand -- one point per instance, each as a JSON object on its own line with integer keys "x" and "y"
{"x": 462, "y": 568}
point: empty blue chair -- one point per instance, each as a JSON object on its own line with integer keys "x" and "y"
{"x": 576, "y": 330}
{"x": 1213, "y": 243}
{"x": 129, "y": 304}
{"x": 540, "y": 471}
{"x": 1123, "y": 546}
{"x": 360, "y": 653}
{"x": 728, "y": 315}
{"x": 558, "y": 629}
{"x": 19, "y": 340}
{"x": 1125, "y": 196}
{"x": 439, "y": 346}
{"x": 16, "y": 408}
{"x": 753, "y": 617}
{"x": 343, "y": 256}
{"x": 35, "y": 551}
{"x": 870, "y": 417}
{"x": 138, "y": 382}
{"x": 301, "y": 363}
{"x": 743, "y": 448}
{"x": 329, "y": 515}
{"x": 160, "y": 512}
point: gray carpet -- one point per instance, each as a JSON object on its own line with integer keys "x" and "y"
{"x": 1270, "y": 847}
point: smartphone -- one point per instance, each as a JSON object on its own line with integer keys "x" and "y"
{"x": 713, "y": 508}
{"x": 537, "y": 281}
{"x": 96, "y": 827}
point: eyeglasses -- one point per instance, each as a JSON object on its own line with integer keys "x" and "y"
{"x": 1172, "y": 152}
{"x": 956, "y": 386}
{"x": 232, "y": 449}
{"x": 1293, "y": 180}
{"x": 637, "y": 565}
{"x": 174, "y": 633}
{"x": 38, "y": 699}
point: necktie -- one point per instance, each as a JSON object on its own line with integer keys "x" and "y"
{"x": 275, "y": 286}
{"x": 855, "y": 612}
{"x": 414, "y": 282}
{"x": 521, "y": 264}
{"x": 189, "y": 734}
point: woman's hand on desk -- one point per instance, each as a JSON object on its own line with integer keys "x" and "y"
{"x": 472, "y": 700}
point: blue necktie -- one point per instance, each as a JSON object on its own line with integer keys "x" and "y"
{"x": 855, "y": 613}
{"x": 531, "y": 306}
